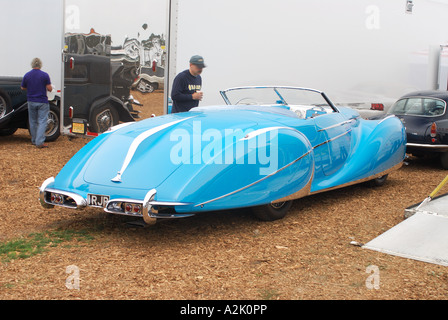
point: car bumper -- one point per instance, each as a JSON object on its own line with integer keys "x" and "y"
{"x": 427, "y": 147}
{"x": 149, "y": 209}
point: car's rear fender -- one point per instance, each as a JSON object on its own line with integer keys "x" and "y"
{"x": 285, "y": 173}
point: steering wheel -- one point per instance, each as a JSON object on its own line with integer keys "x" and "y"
{"x": 318, "y": 108}
{"x": 252, "y": 101}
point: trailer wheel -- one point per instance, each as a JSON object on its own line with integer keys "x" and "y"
{"x": 272, "y": 211}
{"x": 5, "y": 103}
{"x": 444, "y": 160}
{"x": 103, "y": 118}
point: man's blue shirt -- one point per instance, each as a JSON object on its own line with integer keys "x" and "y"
{"x": 184, "y": 85}
{"x": 35, "y": 82}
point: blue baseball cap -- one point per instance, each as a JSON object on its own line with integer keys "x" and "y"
{"x": 198, "y": 60}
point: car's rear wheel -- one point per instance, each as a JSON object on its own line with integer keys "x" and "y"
{"x": 444, "y": 160}
{"x": 272, "y": 211}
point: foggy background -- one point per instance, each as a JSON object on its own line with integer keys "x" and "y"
{"x": 329, "y": 45}
{"x": 346, "y": 46}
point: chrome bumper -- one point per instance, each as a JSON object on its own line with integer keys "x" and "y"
{"x": 62, "y": 198}
{"x": 148, "y": 209}
{"x": 429, "y": 147}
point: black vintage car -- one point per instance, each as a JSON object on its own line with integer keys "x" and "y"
{"x": 425, "y": 117}
{"x": 14, "y": 109}
{"x": 97, "y": 90}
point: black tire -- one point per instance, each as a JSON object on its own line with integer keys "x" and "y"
{"x": 103, "y": 118}
{"x": 444, "y": 160}
{"x": 53, "y": 124}
{"x": 5, "y": 104}
{"x": 7, "y": 132}
{"x": 378, "y": 182}
{"x": 273, "y": 211}
{"x": 53, "y": 130}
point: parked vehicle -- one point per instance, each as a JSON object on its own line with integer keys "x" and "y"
{"x": 425, "y": 118}
{"x": 267, "y": 147}
{"x": 14, "y": 109}
{"x": 149, "y": 80}
{"x": 96, "y": 85}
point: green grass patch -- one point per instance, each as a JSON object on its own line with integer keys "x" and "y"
{"x": 268, "y": 294}
{"x": 36, "y": 243}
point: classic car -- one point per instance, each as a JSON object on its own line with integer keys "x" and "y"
{"x": 14, "y": 109}
{"x": 424, "y": 116}
{"x": 95, "y": 94}
{"x": 266, "y": 147}
{"x": 149, "y": 80}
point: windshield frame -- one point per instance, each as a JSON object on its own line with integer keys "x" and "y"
{"x": 275, "y": 89}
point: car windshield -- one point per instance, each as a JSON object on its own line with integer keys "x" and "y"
{"x": 271, "y": 96}
{"x": 428, "y": 107}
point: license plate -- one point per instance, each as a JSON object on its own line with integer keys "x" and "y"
{"x": 78, "y": 128}
{"x": 97, "y": 200}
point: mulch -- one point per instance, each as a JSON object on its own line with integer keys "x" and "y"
{"x": 223, "y": 255}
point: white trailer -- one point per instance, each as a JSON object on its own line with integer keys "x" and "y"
{"x": 30, "y": 29}
{"x": 360, "y": 52}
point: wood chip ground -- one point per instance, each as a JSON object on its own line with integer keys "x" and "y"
{"x": 225, "y": 255}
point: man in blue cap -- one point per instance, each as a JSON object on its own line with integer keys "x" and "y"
{"x": 187, "y": 85}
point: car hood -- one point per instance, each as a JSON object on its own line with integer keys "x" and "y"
{"x": 144, "y": 154}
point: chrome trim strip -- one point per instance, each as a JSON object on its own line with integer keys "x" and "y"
{"x": 136, "y": 143}
{"x": 256, "y": 182}
{"x": 428, "y": 146}
{"x": 378, "y": 175}
{"x": 332, "y": 139}
{"x": 337, "y": 125}
{"x": 258, "y": 132}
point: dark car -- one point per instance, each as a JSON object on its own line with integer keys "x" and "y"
{"x": 425, "y": 118}
{"x": 93, "y": 96}
{"x": 14, "y": 109}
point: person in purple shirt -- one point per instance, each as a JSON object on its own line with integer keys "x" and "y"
{"x": 37, "y": 83}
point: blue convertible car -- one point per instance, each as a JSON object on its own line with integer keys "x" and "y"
{"x": 266, "y": 147}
